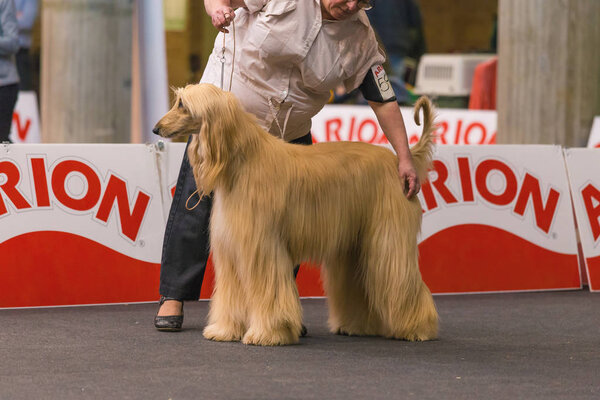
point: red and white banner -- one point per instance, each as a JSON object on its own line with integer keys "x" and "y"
{"x": 83, "y": 224}
{"x": 79, "y": 224}
{"x": 358, "y": 123}
{"x": 584, "y": 173}
{"x": 498, "y": 218}
{"x": 594, "y": 140}
{"x": 26, "y": 120}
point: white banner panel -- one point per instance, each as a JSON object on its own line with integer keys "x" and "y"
{"x": 26, "y": 120}
{"x": 358, "y": 123}
{"x": 79, "y": 223}
{"x": 176, "y": 151}
{"x": 594, "y": 140}
{"x": 169, "y": 163}
{"x": 498, "y": 218}
{"x": 584, "y": 173}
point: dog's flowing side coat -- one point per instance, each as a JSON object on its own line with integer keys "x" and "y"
{"x": 277, "y": 204}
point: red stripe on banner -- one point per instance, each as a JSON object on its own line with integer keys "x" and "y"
{"x": 208, "y": 283}
{"x": 57, "y": 268}
{"x": 480, "y": 258}
{"x": 309, "y": 281}
{"x": 593, "y": 265}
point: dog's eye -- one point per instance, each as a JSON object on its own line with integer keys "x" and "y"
{"x": 180, "y": 105}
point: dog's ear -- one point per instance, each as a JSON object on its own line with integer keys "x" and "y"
{"x": 222, "y": 128}
{"x": 216, "y": 137}
{"x": 214, "y": 146}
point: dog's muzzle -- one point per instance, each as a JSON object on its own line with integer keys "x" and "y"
{"x": 156, "y": 130}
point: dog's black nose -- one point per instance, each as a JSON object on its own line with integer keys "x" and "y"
{"x": 156, "y": 130}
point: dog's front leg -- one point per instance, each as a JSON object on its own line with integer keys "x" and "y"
{"x": 273, "y": 302}
{"x": 227, "y": 315}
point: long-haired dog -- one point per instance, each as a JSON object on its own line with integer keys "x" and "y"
{"x": 277, "y": 204}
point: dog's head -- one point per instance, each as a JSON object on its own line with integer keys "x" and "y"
{"x": 219, "y": 127}
{"x": 194, "y": 107}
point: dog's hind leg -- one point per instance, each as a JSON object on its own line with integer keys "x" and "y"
{"x": 227, "y": 315}
{"x": 349, "y": 312}
{"x": 395, "y": 288}
{"x": 273, "y": 303}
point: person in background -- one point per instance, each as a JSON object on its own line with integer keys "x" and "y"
{"x": 9, "y": 77}
{"x": 27, "y": 11}
{"x": 399, "y": 26}
{"x": 290, "y": 55}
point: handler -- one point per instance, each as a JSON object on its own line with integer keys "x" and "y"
{"x": 287, "y": 57}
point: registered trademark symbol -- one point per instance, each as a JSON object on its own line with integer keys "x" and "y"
{"x": 554, "y": 235}
{"x": 141, "y": 243}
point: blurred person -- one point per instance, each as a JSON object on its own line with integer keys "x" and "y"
{"x": 290, "y": 55}
{"x": 399, "y": 26}
{"x": 9, "y": 77}
{"x": 27, "y": 11}
{"x": 195, "y": 64}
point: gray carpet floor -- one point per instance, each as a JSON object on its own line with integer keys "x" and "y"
{"x": 494, "y": 346}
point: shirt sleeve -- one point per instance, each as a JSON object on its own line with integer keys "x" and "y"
{"x": 28, "y": 15}
{"x": 377, "y": 87}
{"x": 368, "y": 55}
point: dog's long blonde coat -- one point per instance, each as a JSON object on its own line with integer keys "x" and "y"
{"x": 277, "y": 204}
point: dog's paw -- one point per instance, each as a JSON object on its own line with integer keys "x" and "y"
{"x": 349, "y": 332}
{"x": 339, "y": 331}
{"x": 277, "y": 337}
{"x": 352, "y": 331}
{"x": 413, "y": 337}
{"x": 420, "y": 335}
{"x": 221, "y": 334}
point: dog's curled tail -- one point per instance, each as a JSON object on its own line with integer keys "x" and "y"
{"x": 422, "y": 152}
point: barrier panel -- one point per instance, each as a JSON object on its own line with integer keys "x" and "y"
{"x": 26, "y": 119}
{"x": 358, "y": 123}
{"x": 594, "y": 140}
{"x": 498, "y": 218}
{"x": 79, "y": 224}
{"x": 83, "y": 224}
{"x": 495, "y": 219}
{"x": 584, "y": 173}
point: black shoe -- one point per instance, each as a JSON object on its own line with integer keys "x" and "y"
{"x": 168, "y": 323}
{"x": 303, "y": 332}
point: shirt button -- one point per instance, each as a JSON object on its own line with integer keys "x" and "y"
{"x": 284, "y": 93}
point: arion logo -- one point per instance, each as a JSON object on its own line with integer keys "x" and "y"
{"x": 493, "y": 182}
{"x": 590, "y": 195}
{"x": 75, "y": 185}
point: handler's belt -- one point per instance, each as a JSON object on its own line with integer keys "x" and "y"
{"x": 377, "y": 87}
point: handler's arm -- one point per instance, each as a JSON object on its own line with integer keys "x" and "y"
{"x": 221, "y": 12}
{"x": 391, "y": 121}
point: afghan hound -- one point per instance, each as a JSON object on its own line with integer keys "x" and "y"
{"x": 277, "y": 204}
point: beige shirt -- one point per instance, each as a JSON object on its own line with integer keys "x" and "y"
{"x": 287, "y": 59}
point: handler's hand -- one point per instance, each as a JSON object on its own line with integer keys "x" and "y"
{"x": 221, "y": 17}
{"x": 409, "y": 178}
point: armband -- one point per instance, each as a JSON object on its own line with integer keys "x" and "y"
{"x": 377, "y": 87}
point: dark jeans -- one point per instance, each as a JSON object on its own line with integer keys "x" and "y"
{"x": 25, "y": 68}
{"x": 186, "y": 243}
{"x": 8, "y": 99}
